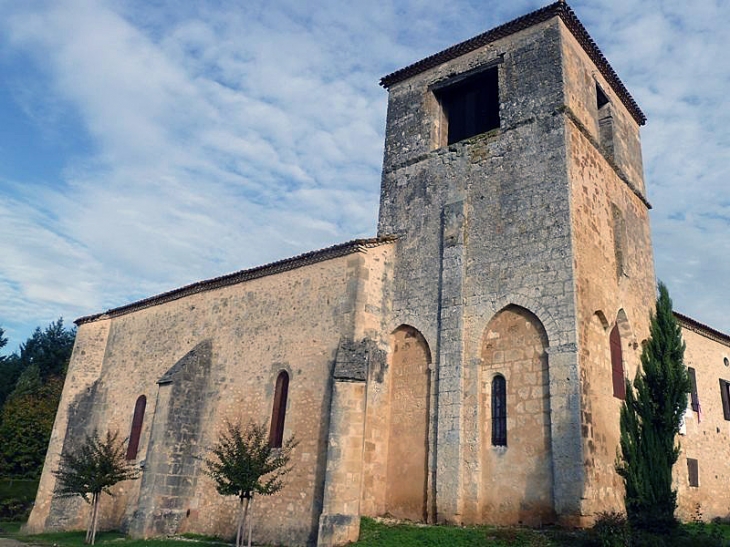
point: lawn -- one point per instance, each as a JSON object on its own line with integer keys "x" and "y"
{"x": 378, "y": 534}
{"x": 375, "y": 533}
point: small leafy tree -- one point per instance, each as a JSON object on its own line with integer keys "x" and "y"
{"x": 245, "y": 464}
{"x": 92, "y": 468}
{"x": 650, "y": 419}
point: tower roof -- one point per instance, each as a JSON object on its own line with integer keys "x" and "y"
{"x": 557, "y": 9}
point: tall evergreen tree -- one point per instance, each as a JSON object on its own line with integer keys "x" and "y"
{"x": 650, "y": 419}
{"x": 49, "y": 349}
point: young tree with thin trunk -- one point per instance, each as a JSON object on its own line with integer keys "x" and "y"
{"x": 245, "y": 464}
{"x": 650, "y": 420}
{"x": 91, "y": 469}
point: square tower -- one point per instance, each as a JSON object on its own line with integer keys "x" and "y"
{"x": 513, "y": 179}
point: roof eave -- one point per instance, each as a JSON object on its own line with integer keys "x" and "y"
{"x": 558, "y": 9}
{"x": 287, "y": 264}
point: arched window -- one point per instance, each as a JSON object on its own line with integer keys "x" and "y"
{"x": 499, "y": 411}
{"x": 617, "y": 364}
{"x": 137, "y": 420}
{"x": 276, "y": 434}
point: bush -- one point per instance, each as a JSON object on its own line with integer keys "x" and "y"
{"x": 686, "y": 536}
{"x": 16, "y": 498}
{"x": 611, "y": 529}
{"x": 15, "y": 509}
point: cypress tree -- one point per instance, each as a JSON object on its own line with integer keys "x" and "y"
{"x": 650, "y": 420}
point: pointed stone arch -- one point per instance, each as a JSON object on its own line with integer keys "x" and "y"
{"x": 406, "y": 493}
{"x": 601, "y": 318}
{"x": 620, "y": 341}
{"x": 624, "y": 326}
{"x": 517, "y": 476}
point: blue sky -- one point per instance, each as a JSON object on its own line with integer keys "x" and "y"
{"x": 147, "y": 145}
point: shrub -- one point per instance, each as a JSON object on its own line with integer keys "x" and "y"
{"x": 14, "y": 509}
{"x": 611, "y": 529}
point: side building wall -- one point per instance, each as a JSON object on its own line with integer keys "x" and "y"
{"x": 204, "y": 359}
{"x": 705, "y": 439}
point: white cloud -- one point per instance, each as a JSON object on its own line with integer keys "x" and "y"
{"x": 223, "y": 137}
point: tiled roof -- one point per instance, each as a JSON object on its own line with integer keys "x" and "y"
{"x": 312, "y": 257}
{"x": 704, "y": 330}
{"x": 558, "y": 9}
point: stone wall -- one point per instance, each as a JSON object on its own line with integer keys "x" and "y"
{"x": 614, "y": 269}
{"x": 485, "y": 223}
{"x": 707, "y": 437}
{"x": 209, "y": 357}
{"x": 78, "y": 391}
{"x": 517, "y": 481}
{"x": 406, "y": 491}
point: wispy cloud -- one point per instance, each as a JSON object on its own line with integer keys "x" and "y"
{"x": 192, "y": 140}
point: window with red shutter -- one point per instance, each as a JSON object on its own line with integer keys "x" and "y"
{"x": 137, "y": 419}
{"x": 617, "y": 364}
{"x": 725, "y": 395}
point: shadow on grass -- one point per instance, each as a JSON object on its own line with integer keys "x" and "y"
{"x": 76, "y": 538}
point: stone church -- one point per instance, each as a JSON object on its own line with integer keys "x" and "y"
{"x": 466, "y": 365}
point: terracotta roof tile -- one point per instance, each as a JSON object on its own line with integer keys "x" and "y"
{"x": 704, "y": 330}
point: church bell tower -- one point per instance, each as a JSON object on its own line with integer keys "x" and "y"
{"x": 513, "y": 180}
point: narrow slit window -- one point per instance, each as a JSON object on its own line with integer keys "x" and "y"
{"x": 620, "y": 240}
{"x": 278, "y": 414}
{"x": 617, "y": 364}
{"x": 601, "y": 99}
{"x": 605, "y": 121}
{"x": 471, "y": 106}
{"x": 693, "y": 470}
{"x": 137, "y": 420}
{"x": 499, "y": 411}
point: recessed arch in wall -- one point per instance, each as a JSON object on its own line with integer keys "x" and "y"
{"x": 601, "y": 317}
{"x": 278, "y": 412}
{"x": 517, "y": 478}
{"x": 136, "y": 431}
{"x": 409, "y": 372}
{"x": 620, "y": 341}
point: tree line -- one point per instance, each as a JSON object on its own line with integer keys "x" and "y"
{"x": 31, "y": 381}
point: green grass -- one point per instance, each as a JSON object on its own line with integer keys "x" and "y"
{"x": 379, "y": 534}
{"x": 374, "y": 533}
{"x": 116, "y": 539}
